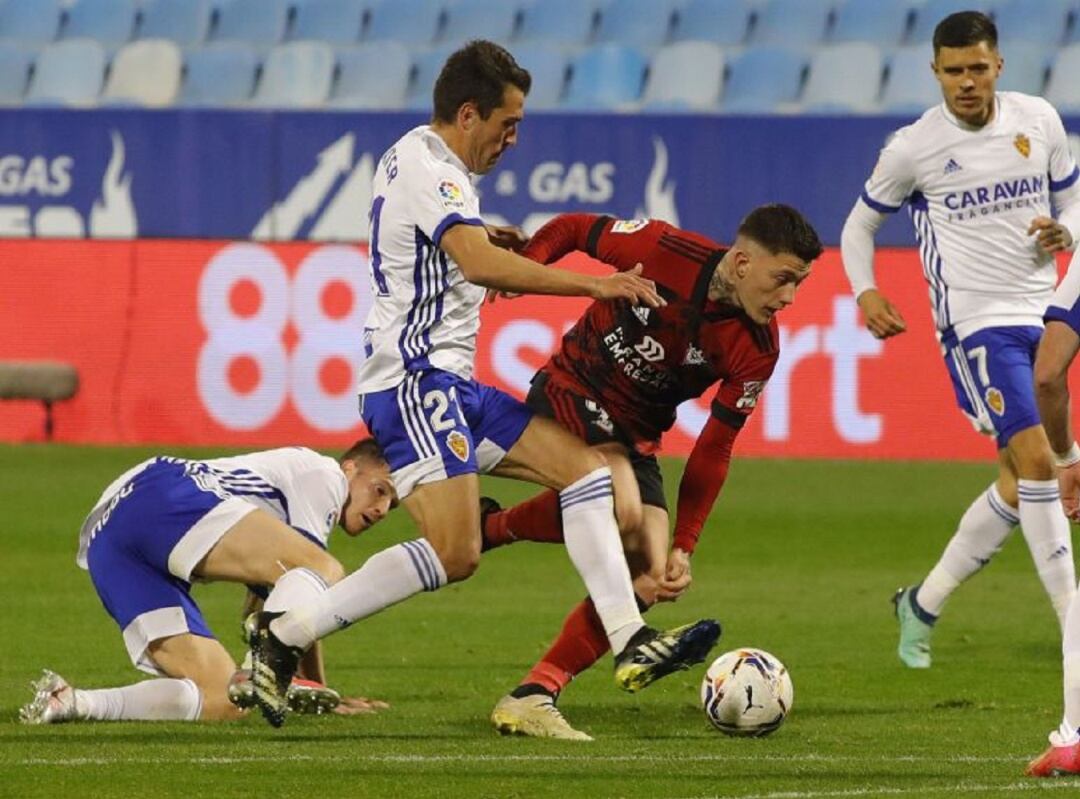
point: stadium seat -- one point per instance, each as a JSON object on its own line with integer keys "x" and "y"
{"x": 723, "y": 22}
{"x": 1025, "y": 67}
{"x": 1063, "y": 89}
{"x": 426, "y": 69}
{"x": 1016, "y": 22}
{"x": 146, "y": 72}
{"x": 220, "y": 73}
{"x": 68, "y": 73}
{"x": 643, "y": 24}
{"x": 15, "y": 62}
{"x": 927, "y": 16}
{"x": 260, "y": 23}
{"x": 910, "y": 85}
{"x": 608, "y": 76}
{"x": 568, "y": 23}
{"x": 336, "y": 22}
{"x": 880, "y": 22}
{"x": 548, "y": 67}
{"x": 109, "y": 22}
{"x": 763, "y": 80}
{"x": 791, "y": 23}
{"x": 296, "y": 75}
{"x": 412, "y": 22}
{"x": 684, "y": 76}
{"x": 494, "y": 20}
{"x": 30, "y": 22}
{"x": 843, "y": 78}
{"x": 186, "y": 22}
{"x": 372, "y": 75}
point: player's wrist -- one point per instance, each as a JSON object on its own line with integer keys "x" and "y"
{"x": 1069, "y": 457}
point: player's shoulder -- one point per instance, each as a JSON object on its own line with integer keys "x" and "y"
{"x": 1026, "y": 104}
{"x": 926, "y": 128}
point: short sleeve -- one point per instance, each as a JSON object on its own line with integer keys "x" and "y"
{"x": 892, "y": 180}
{"x": 1063, "y": 169}
{"x": 441, "y": 197}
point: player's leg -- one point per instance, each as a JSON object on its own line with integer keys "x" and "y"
{"x": 1062, "y": 758}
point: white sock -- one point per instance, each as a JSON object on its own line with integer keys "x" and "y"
{"x": 151, "y": 700}
{"x": 385, "y": 579}
{"x": 980, "y": 535}
{"x": 1046, "y": 531}
{"x": 294, "y": 588}
{"x": 594, "y": 546}
{"x": 1070, "y": 649}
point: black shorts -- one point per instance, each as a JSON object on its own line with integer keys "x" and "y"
{"x": 588, "y": 421}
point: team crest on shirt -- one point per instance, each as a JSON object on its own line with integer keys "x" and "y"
{"x": 694, "y": 357}
{"x": 629, "y": 225}
{"x": 451, "y": 194}
{"x": 1022, "y": 144}
{"x": 458, "y": 444}
{"x": 995, "y": 401}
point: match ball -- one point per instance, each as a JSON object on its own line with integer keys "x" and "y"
{"x": 747, "y": 692}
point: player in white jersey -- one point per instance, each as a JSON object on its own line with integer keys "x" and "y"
{"x": 978, "y": 173}
{"x": 431, "y": 260}
{"x": 1057, "y": 350}
{"x": 261, "y": 519}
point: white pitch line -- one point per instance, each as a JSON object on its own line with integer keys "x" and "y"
{"x": 1031, "y": 785}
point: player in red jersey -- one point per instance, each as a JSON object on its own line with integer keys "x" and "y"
{"x": 616, "y": 382}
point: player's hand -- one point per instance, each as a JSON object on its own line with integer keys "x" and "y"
{"x": 359, "y": 705}
{"x": 509, "y": 237}
{"x": 493, "y": 294}
{"x": 628, "y": 286}
{"x": 1069, "y": 483}
{"x": 677, "y": 577}
{"x": 882, "y": 317}
{"x": 1050, "y": 235}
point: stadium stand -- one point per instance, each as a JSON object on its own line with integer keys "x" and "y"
{"x": 606, "y": 77}
{"x": 791, "y": 23}
{"x": 549, "y": 67}
{"x": 496, "y": 20}
{"x": 880, "y": 22}
{"x": 336, "y": 22}
{"x": 644, "y": 24}
{"x": 30, "y": 22}
{"x": 1025, "y": 68}
{"x": 186, "y": 22}
{"x": 146, "y": 72}
{"x": 371, "y": 75}
{"x": 1063, "y": 88}
{"x": 929, "y": 14}
{"x": 843, "y": 78}
{"x": 46, "y": 382}
{"x": 422, "y": 82}
{"x": 296, "y": 75}
{"x": 411, "y": 22}
{"x": 260, "y": 23}
{"x": 722, "y": 22}
{"x": 763, "y": 80}
{"x": 219, "y": 74}
{"x": 69, "y": 73}
{"x": 1047, "y": 26}
{"x": 910, "y": 86}
{"x": 687, "y": 75}
{"x": 15, "y": 63}
{"x": 109, "y": 22}
{"x": 567, "y": 23}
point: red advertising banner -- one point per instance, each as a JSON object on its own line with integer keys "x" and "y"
{"x": 197, "y": 342}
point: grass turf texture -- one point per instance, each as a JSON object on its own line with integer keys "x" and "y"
{"x": 799, "y": 558}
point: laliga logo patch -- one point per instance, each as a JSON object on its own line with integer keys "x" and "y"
{"x": 995, "y": 401}
{"x": 458, "y": 444}
{"x": 629, "y": 225}
{"x": 1023, "y": 146}
{"x": 451, "y": 194}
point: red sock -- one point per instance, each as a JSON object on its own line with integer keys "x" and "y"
{"x": 581, "y": 642}
{"x": 537, "y": 519}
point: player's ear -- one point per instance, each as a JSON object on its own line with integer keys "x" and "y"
{"x": 468, "y": 114}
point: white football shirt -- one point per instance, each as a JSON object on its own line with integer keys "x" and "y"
{"x": 972, "y": 194}
{"x": 425, "y": 313}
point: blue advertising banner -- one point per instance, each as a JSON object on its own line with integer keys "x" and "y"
{"x": 306, "y": 176}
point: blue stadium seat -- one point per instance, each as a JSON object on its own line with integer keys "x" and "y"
{"x": 109, "y": 22}
{"x": 636, "y": 23}
{"x": 843, "y": 78}
{"x": 881, "y": 22}
{"x": 564, "y": 22}
{"x": 549, "y": 67}
{"x": 495, "y": 20}
{"x": 723, "y": 22}
{"x": 791, "y": 23}
{"x": 337, "y": 22}
{"x": 219, "y": 73}
{"x": 68, "y": 73}
{"x": 910, "y": 86}
{"x": 1016, "y": 22}
{"x": 1072, "y": 36}
{"x": 411, "y": 22}
{"x": 927, "y": 16}
{"x": 1025, "y": 67}
{"x": 30, "y": 22}
{"x": 145, "y": 73}
{"x": 186, "y": 22}
{"x": 296, "y": 75}
{"x": 684, "y": 76}
{"x": 15, "y": 61}
{"x": 372, "y": 75}
{"x": 260, "y": 23}
{"x": 608, "y": 76}
{"x": 763, "y": 80}
{"x": 1063, "y": 89}
{"x": 426, "y": 69}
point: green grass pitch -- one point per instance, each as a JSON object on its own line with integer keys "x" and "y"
{"x": 799, "y": 558}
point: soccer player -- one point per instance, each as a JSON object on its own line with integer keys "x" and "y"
{"x": 977, "y": 172}
{"x": 261, "y": 519}
{"x": 1057, "y": 351}
{"x": 431, "y": 260}
{"x": 616, "y": 382}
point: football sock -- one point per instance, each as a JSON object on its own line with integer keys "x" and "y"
{"x": 581, "y": 643}
{"x": 594, "y": 546}
{"x": 1070, "y": 647}
{"x": 536, "y": 519}
{"x": 1046, "y": 531}
{"x": 980, "y": 535}
{"x": 385, "y": 579}
{"x": 294, "y": 588}
{"x": 151, "y": 700}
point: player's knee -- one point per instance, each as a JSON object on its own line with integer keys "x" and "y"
{"x": 460, "y": 560}
{"x": 329, "y": 568}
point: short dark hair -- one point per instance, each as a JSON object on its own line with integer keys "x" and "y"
{"x": 780, "y": 228}
{"x": 364, "y": 448}
{"x": 479, "y": 72}
{"x": 964, "y": 29}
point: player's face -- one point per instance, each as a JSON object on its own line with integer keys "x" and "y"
{"x": 371, "y": 494}
{"x": 967, "y": 76}
{"x": 488, "y": 139}
{"x": 767, "y": 282}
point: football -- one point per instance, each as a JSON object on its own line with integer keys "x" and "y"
{"x": 747, "y": 692}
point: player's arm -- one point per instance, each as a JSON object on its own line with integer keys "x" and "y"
{"x": 1058, "y": 235}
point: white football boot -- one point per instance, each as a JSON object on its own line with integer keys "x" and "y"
{"x": 535, "y": 716}
{"x": 53, "y": 702}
